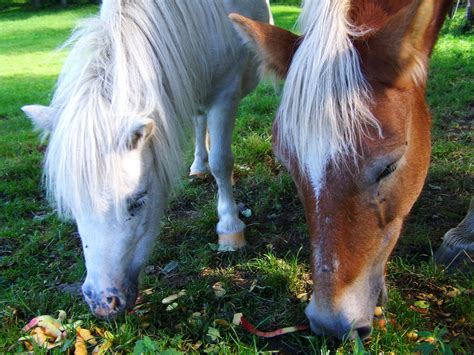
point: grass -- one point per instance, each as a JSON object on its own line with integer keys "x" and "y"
{"x": 39, "y": 255}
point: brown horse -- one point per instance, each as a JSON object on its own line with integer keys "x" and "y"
{"x": 353, "y": 129}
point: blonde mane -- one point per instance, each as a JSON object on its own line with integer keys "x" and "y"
{"x": 325, "y": 104}
{"x": 136, "y": 60}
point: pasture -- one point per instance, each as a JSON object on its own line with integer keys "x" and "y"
{"x": 41, "y": 260}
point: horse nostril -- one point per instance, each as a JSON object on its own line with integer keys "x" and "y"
{"x": 114, "y": 302}
{"x": 364, "y": 332}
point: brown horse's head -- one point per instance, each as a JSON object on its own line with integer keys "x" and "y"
{"x": 353, "y": 129}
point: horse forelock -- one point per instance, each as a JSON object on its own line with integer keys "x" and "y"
{"x": 130, "y": 63}
{"x": 325, "y": 112}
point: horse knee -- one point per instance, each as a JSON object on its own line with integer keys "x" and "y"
{"x": 221, "y": 164}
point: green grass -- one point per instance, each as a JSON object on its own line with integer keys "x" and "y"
{"x": 38, "y": 253}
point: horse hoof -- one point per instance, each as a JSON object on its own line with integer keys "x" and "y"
{"x": 232, "y": 241}
{"x": 198, "y": 174}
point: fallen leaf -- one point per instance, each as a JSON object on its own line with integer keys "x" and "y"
{"x": 445, "y": 315}
{"x": 430, "y": 340}
{"x": 219, "y": 290}
{"x": 196, "y": 318}
{"x": 456, "y": 334}
{"x": 196, "y": 345}
{"x": 99, "y": 331}
{"x": 253, "y": 285}
{"x": 213, "y": 334}
{"x": 222, "y": 323}
{"x": 83, "y": 339}
{"x": 102, "y": 349}
{"x": 454, "y": 292}
{"x": 303, "y": 297}
{"x": 86, "y": 335}
{"x": 237, "y": 319}
{"x": 173, "y": 297}
{"x": 108, "y": 341}
{"x": 172, "y": 307}
{"x": 169, "y": 267}
{"x": 148, "y": 291}
{"x": 378, "y": 311}
{"x": 109, "y": 336}
{"x": 170, "y": 299}
{"x": 422, "y": 304}
{"x": 426, "y": 296}
{"x": 412, "y": 335}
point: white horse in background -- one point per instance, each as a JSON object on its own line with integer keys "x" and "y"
{"x": 135, "y": 77}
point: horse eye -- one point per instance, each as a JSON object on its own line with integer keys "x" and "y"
{"x": 389, "y": 169}
{"x": 136, "y": 203}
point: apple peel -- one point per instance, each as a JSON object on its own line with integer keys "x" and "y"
{"x": 45, "y": 331}
{"x": 239, "y": 319}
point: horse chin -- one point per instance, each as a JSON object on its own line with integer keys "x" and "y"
{"x": 338, "y": 325}
{"x": 353, "y": 316}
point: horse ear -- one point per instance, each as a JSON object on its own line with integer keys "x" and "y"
{"x": 396, "y": 50}
{"x": 141, "y": 133}
{"x": 41, "y": 116}
{"x": 274, "y": 46}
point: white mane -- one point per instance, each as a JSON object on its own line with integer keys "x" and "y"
{"x": 137, "y": 60}
{"x": 324, "y": 110}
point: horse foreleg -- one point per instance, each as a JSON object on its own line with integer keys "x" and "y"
{"x": 199, "y": 167}
{"x": 221, "y": 119}
{"x": 458, "y": 243}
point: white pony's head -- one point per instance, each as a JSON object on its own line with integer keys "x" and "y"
{"x": 117, "y": 206}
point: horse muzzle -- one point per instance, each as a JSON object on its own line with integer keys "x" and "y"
{"x": 109, "y": 303}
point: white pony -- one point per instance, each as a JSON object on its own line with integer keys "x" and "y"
{"x": 135, "y": 77}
